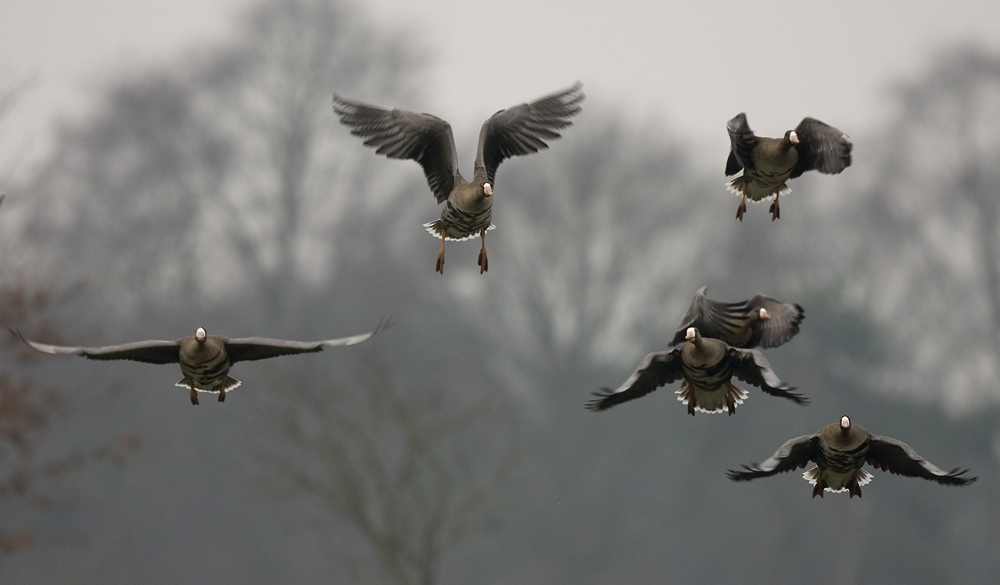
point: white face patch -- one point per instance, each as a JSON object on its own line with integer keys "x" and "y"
{"x": 200, "y": 334}
{"x": 845, "y": 423}
{"x": 793, "y": 137}
{"x": 764, "y": 315}
{"x": 488, "y": 189}
{"x": 691, "y": 332}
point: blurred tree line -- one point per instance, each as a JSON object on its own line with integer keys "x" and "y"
{"x": 33, "y": 467}
{"x": 454, "y": 447}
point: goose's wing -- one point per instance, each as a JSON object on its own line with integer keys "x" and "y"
{"x": 897, "y": 457}
{"x": 752, "y": 367}
{"x": 150, "y": 352}
{"x": 524, "y": 129}
{"x": 781, "y": 326}
{"x": 243, "y": 349}
{"x": 403, "y": 134}
{"x": 794, "y": 454}
{"x": 821, "y": 147}
{"x": 718, "y": 320}
{"x": 655, "y": 370}
{"x": 742, "y": 141}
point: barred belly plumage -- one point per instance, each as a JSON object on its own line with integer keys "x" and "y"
{"x": 207, "y": 370}
{"x": 762, "y": 184}
{"x": 842, "y": 460}
{"x": 707, "y": 388}
{"x": 708, "y": 377}
{"x": 839, "y": 470}
{"x": 460, "y": 225}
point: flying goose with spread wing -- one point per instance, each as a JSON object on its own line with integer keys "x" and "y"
{"x": 839, "y": 451}
{"x": 706, "y": 367}
{"x": 767, "y": 163}
{"x": 205, "y": 359}
{"x": 428, "y": 140}
{"x": 757, "y": 322}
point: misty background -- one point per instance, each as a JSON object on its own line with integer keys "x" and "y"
{"x": 204, "y": 181}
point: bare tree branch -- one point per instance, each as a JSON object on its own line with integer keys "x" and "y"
{"x": 409, "y": 466}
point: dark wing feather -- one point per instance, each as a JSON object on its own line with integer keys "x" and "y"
{"x": 402, "y": 134}
{"x": 794, "y": 454}
{"x": 742, "y": 142}
{"x": 246, "y": 349}
{"x": 150, "y": 352}
{"x": 752, "y": 367}
{"x": 655, "y": 370}
{"x": 897, "y": 457}
{"x": 781, "y": 327}
{"x": 821, "y": 147}
{"x": 523, "y": 129}
{"x": 713, "y": 319}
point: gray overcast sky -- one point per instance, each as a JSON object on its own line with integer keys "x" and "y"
{"x": 686, "y": 67}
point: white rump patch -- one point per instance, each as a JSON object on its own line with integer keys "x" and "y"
{"x": 434, "y": 229}
{"x": 738, "y": 185}
{"x": 735, "y": 186}
{"x": 837, "y": 482}
{"x": 234, "y": 384}
{"x": 711, "y": 402}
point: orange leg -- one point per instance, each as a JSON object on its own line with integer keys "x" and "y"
{"x": 440, "y": 261}
{"x": 774, "y": 209}
{"x": 484, "y": 264}
{"x": 820, "y": 484}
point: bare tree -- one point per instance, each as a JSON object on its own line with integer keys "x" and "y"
{"x": 226, "y": 175}
{"x": 120, "y": 193}
{"x": 28, "y": 410}
{"x": 230, "y": 184}
{"x": 29, "y": 473}
{"x": 294, "y": 182}
{"x": 931, "y": 246}
{"x": 592, "y": 237}
{"x": 411, "y": 461}
{"x": 600, "y": 243}
{"x": 12, "y": 91}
